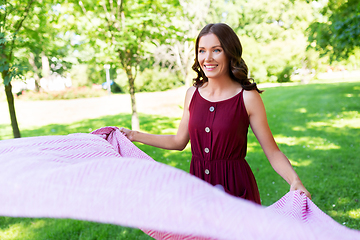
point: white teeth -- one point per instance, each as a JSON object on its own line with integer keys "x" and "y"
{"x": 211, "y": 67}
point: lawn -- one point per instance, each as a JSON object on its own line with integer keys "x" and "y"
{"x": 316, "y": 125}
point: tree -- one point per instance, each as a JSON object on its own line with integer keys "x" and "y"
{"x": 124, "y": 30}
{"x": 337, "y": 29}
{"x": 29, "y": 34}
{"x": 12, "y": 17}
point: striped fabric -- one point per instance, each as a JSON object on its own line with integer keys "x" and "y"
{"x": 103, "y": 177}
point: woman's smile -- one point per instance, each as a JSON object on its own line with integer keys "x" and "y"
{"x": 210, "y": 67}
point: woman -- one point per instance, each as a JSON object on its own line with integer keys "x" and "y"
{"x": 218, "y": 111}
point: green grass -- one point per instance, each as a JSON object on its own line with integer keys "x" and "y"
{"x": 317, "y": 126}
{"x": 64, "y": 229}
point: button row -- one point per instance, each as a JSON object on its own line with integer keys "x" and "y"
{"x": 207, "y": 129}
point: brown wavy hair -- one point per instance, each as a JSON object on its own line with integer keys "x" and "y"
{"x": 232, "y": 47}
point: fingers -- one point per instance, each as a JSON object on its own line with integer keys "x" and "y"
{"x": 306, "y": 193}
{"x": 303, "y": 191}
{"x": 126, "y": 132}
{"x": 300, "y": 188}
{"x": 123, "y": 131}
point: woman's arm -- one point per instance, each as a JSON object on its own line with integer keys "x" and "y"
{"x": 171, "y": 142}
{"x": 260, "y": 127}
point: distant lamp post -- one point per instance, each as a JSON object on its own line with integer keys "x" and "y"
{"x": 107, "y": 68}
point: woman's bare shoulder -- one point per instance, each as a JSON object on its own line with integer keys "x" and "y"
{"x": 252, "y": 101}
{"x": 191, "y": 90}
{"x": 189, "y": 94}
{"x": 251, "y": 95}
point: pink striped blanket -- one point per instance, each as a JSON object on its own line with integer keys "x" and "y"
{"x": 103, "y": 177}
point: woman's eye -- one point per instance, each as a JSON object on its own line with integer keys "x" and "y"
{"x": 217, "y": 50}
{"x": 201, "y": 51}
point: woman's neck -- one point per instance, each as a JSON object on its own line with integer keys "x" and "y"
{"x": 216, "y": 89}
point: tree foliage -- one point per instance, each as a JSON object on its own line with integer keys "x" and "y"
{"x": 337, "y": 30}
{"x": 12, "y": 17}
{"x": 271, "y": 32}
{"x": 177, "y": 54}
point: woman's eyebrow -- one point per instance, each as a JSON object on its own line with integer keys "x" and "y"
{"x": 212, "y": 46}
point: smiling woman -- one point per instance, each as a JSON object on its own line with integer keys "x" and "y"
{"x": 218, "y": 111}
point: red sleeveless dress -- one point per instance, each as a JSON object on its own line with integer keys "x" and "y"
{"x": 218, "y": 136}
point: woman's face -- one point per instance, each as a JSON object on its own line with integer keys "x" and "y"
{"x": 212, "y": 58}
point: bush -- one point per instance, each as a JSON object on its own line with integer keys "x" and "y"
{"x": 284, "y": 76}
{"x": 274, "y": 61}
{"x": 115, "y": 88}
{"x": 152, "y": 80}
{"x": 79, "y": 76}
{"x": 70, "y": 93}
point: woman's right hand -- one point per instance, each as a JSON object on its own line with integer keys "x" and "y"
{"x": 128, "y": 133}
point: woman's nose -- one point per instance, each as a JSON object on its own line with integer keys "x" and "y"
{"x": 208, "y": 56}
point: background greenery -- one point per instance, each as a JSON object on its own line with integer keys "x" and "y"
{"x": 316, "y": 125}
{"x": 81, "y": 36}
{"x": 149, "y": 44}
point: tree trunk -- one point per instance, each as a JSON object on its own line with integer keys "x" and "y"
{"x": 189, "y": 56}
{"x": 10, "y": 100}
{"x": 37, "y": 82}
{"x": 45, "y": 65}
{"x": 135, "y": 125}
{"x": 36, "y": 70}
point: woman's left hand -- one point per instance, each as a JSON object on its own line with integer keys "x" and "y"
{"x": 297, "y": 185}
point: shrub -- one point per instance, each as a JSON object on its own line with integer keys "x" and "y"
{"x": 151, "y": 80}
{"x": 70, "y": 93}
{"x": 284, "y": 76}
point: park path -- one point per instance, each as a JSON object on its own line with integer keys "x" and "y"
{"x": 38, "y": 113}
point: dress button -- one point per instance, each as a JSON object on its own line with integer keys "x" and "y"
{"x": 207, "y": 129}
{"x": 207, "y": 171}
{"x": 211, "y": 109}
{"x": 206, "y": 150}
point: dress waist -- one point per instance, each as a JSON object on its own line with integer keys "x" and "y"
{"x": 201, "y": 159}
